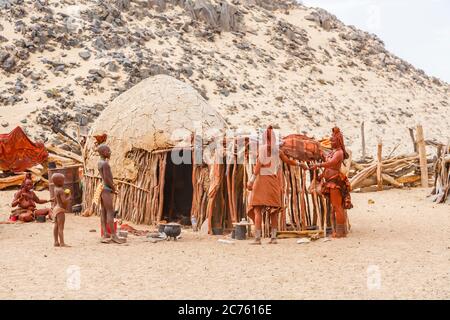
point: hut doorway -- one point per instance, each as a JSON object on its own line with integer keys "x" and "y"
{"x": 178, "y": 192}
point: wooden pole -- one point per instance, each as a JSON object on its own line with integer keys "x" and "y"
{"x": 411, "y": 133}
{"x": 422, "y": 156}
{"x": 348, "y": 165}
{"x": 363, "y": 142}
{"x": 379, "y": 166}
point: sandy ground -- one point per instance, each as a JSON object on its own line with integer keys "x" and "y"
{"x": 399, "y": 249}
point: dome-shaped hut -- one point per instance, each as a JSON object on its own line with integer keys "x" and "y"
{"x": 152, "y": 127}
{"x": 143, "y": 126}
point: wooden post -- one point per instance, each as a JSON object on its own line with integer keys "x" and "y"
{"x": 422, "y": 156}
{"x": 363, "y": 142}
{"x": 411, "y": 133}
{"x": 348, "y": 166}
{"x": 379, "y": 166}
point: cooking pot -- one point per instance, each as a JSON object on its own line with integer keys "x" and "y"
{"x": 172, "y": 230}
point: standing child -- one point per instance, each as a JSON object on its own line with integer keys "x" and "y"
{"x": 62, "y": 199}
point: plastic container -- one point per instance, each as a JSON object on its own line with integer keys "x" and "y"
{"x": 194, "y": 223}
{"x": 123, "y": 234}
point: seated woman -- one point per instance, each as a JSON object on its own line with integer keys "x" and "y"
{"x": 25, "y": 199}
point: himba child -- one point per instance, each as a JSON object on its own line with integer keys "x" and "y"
{"x": 62, "y": 198}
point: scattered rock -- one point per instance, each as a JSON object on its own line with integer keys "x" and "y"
{"x": 9, "y": 63}
{"x": 85, "y": 55}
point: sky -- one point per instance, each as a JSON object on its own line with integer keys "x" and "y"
{"x": 417, "y": 31}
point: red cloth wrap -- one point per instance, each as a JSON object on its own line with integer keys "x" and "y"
{"x": 18, "y": 152}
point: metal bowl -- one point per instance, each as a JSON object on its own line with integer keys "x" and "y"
{"x": 123, "y": 234}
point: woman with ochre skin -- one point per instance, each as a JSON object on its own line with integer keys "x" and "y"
{"x": 336, "y": 185}
{"x": 266, "y": 185}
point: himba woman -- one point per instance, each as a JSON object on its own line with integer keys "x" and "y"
{"x": 266, "y": 185}
{"x": 336, "y": 185}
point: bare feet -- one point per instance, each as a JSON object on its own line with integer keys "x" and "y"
{"x": 273, "y": 241}
{"x": 118, "y": 240}
{"x": 63, "y": 245}
{"x": 56, "y": 244}
{"x": 106, "y": 240}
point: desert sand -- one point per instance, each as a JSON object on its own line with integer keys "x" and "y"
{"x": 403, "y": 236}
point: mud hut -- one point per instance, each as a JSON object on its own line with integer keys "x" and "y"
{"x": 151, "y": 128}
{"x": 161, "y": 120}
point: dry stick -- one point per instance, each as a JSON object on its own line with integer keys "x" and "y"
{"x": 361, "y": 176}
{"x": 316, "y": 202}
{"x": 363, "y": 142}
{"x": 244, "y": 180}
{"x": 200, "y": 182}
{"x": 302, "y": 198}
{"x": 162, "y": 166}
{"x": 308, "y": 204}
{"x": 393, "y": 150}
{"x": 229, "y": 191}
{"x": 312, "y": 186}
{"x": 195, "y": 190}
{"x": 295, "y": 197}
{"x": 292, "y": 197}
{"x": 349, "y": 163}
{"x": 379, "y": 166}
{"x": 120, "y": 182}
{"x": 285, "y": 210}
{"x": 411, "y": 134}
{"x": 306, "y": 200}
{"x": 287, "y": 198}
{"x": 436, "y": 173}
{"x": 233, "y": 190}
{"x": 325, "y": 210}
{"x": 422, "y": 156}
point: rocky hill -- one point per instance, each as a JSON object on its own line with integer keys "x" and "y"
{"x": 256, "y": 61}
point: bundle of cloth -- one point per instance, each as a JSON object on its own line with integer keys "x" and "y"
{"x": 18, "y": 153}
{"x": 301, "y": 148}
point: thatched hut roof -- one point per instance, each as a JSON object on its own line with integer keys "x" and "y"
{"x": 160, "y": 112}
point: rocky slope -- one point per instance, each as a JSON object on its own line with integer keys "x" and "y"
{"x": 256, "y": 61}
